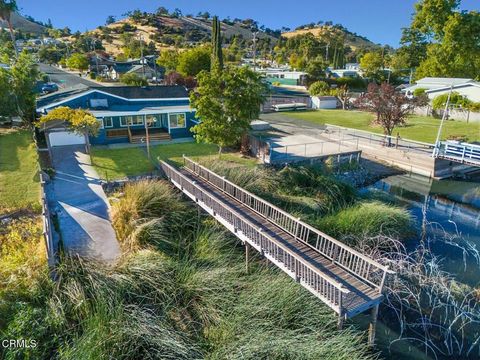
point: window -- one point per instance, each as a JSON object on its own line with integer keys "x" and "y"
{"x": 131, "y": 120}
{"x": 177, "y": 121}
{"x": 107, "y": 122}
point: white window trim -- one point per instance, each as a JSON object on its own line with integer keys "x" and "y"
{"x": 103, "y": 123}
{"x": 124, "y": 116}
{"x": 177, "y": 127}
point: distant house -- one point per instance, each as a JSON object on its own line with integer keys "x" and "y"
{"x": 434, "y": 83}
{"x": 338, "y": 73}
{"x": 4, "y": 66}
{"x": 124, "y": 113}
{"x": 284, "y": 77}
{"x": 352, "y": 66}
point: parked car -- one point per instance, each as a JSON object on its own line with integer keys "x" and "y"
{"x": 49, "y": 88}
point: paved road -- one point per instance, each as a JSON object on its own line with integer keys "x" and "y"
{"x": 82, "y": 207}
{"x": 64, "y": 79}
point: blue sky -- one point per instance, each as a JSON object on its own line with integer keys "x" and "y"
{"x": 379, "y": 20}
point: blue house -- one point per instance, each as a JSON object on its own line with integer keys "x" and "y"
{"x": 125, "y": 113}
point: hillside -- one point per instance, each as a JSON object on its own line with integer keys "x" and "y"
{"x": 353, "y": 40}
{"x": 162, "y": 30}
{"x": 20, "y": 23}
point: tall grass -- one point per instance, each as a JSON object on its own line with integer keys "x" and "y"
{"x": 179, "y": 292}
{"x": 367, "y": 219}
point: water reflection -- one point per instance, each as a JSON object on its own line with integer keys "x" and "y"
{"x": 447, "y": 215}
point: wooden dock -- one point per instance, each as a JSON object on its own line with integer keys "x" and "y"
{"x": 344, "y": 279}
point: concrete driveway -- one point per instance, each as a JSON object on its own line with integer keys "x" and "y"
{"x": 82, "y": 207}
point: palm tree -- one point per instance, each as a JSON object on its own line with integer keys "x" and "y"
{"x": 6, "y": 10}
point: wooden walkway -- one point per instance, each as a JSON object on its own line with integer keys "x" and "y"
{"x": 344, "y": 279}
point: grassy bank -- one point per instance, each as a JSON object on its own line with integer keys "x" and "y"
{"x": 180, "y": 292}
{"x": 420, "y": 128}
{"x": 19, "y": 180}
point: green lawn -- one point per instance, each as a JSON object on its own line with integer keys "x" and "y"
{"x": 19, "y": 179}
{"x": 420, "y": 128}
{"x": 118, "y": 163}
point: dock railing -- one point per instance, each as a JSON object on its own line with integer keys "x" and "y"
{"x": 320, "y": 284}
{"x": 368, "y": 137}
{"x": 460, "y": 152}
{"x": 358, "y": 264}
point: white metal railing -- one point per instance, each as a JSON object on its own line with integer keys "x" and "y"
{"x": 306, "y": 150}
{"x": 319, "y": 283}
{"x": 383, "y": 140}
{"x": 351, "y": 260}
{"x": 461, "y": 152}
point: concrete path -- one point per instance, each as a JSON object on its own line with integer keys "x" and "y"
{"x": 82, "y": 207}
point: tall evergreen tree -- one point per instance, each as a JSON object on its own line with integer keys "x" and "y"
{"x": 217, "y": 55}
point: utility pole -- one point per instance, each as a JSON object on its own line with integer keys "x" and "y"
{"x": 445, "y": 111}
{"x": 142, "y": 60}
{"x": 92, "y": 42}
{"x": 326, "y": 53}
{"x": 147, "y": 136}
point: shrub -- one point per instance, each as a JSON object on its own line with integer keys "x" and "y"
{"x": 319, "y": 88}
{"x": 132, "y": 79}
{"x": 419, "y": 91}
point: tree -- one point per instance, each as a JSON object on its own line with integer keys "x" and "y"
{"x": 316, "y": 68}
{"x": 319, "y": 88}
{"x": 168, "y": 59}
{"x": 24, "y": 75}
{"x": 78, "y": 61}
{"x": 162, "y": 11}
{"x": 110, "y": 20}
{"x": 217, "y": 55}
{"x": 7, "y": 7}
{"x": 456, "y": 100}
{"x": 191, "y": 62}
{"x": 371, "y": 63}
{"x": 7, "y": 103}
{"x": 132, "y": 79}
{"x": 450, "y": 38}
{"x": 79, "y": 121}
{"x": 49, "y": 55}
{"x": 174, "y": 78}
{"x": 226, "y": 102}
{"x": 342, "y": 94}
{"x": 391, "y": 107}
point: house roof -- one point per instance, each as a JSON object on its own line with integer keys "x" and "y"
{"x": 129, "y": 93}
{"x": 145, "y": 92}
{"x": 458, "y": 86}
{"x": 443, "y": 81}
{"x": 433, "y": 83}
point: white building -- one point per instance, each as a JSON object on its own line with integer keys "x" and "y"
{"x": 324, "y": 102}
{"x": 434, "y": 83}
{"x": 470, "y": 90}
{"x": 352, "y": 66}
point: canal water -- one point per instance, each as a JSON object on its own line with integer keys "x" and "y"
{"x": 447, "y": 217}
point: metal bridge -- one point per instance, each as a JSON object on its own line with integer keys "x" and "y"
{"x": 464, "y": 153}
{"x": 346, "y": 280}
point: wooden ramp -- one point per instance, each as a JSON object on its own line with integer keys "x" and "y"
{"x": 344, "y": 279}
